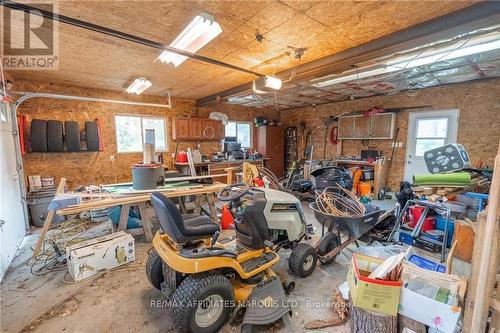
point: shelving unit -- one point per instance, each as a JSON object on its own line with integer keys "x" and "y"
{"x": 416, "y": 233}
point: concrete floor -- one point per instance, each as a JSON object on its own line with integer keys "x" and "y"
{"x": 123, "y": 300}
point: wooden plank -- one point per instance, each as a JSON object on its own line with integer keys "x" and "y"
{"x": 464, "y": 234}
{"x": 111, "y": 202}
{"x": 122, "y": 224}
{"x": 475, "y": 289}
{"x": 487, "y": 271}
{"x": 211, "y": 206}
{"x": 48, "y": 219}
{"x": 197, "y": 205}
{"x": 174, "y": 179}
{"x": 146, "y": 222}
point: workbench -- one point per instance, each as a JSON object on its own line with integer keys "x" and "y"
{"x": 105, "y": 200}
{"x": 378, "y": 175}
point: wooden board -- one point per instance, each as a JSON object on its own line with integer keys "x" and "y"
{"x": 464, "y": 235}
{"x": 111, "y": 202}
{"x": 48, "y": 220}
{"x": 474, "y": 289}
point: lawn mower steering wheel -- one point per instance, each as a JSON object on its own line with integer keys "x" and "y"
{"x": 233, "y": 192}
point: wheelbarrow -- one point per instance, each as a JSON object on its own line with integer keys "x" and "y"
{"x": 354, "y": 226}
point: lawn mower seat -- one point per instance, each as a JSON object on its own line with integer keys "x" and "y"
{"x": 178, "y": 229}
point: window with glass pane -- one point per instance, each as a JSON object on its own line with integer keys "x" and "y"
{"x": 242, "y": 131}
{"x": 130, "y": 132}
{"x": 431, "y": 133}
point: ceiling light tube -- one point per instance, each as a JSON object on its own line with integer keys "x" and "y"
{"x": 266, "y": 84}
{"x": 446, "y": 54}
{"x": 139, "y": 86}
{"x": 457, "y": 50}
{"x": 197, "y": 34}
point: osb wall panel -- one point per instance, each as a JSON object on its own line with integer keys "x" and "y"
{"x": 479, "y": 121}
{"x": 83, "y": 168}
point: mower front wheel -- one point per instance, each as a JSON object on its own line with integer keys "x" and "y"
{"x": 202, "y": 303}
{"x": 303, "y": 259}
{"x": 154, "y": 270}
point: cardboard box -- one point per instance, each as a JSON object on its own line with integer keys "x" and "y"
{"x": 99, "y": 254}
{"x": 371, "y": 294}
{"x": 429, "y": 311}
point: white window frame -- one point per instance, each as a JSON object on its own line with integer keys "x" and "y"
{"x": 165, "y": 127}
{"x": 243, "y": 122}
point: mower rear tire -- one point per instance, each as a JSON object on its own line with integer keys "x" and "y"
{"x": 303, "y": 259}
{"x": 154, "y": 270}
{"x": 202, "y": 303}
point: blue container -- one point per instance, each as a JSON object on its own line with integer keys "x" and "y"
{"x": 427, "y": 264}
{"x": 440, "y": 225}
{"x": 405, "y": 238}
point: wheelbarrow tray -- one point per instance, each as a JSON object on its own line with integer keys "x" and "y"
{"x": 353, "y": 226}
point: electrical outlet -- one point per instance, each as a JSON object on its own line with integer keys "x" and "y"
{"x": 111, "y": 158}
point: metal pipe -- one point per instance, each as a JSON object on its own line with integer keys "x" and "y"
{"x": 15, "y": 129}
{"x": 28, "y": 95}
{"x": 122, "y": 35}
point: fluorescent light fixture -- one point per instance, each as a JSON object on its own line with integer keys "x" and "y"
{"x": 197, "y": 34}
{"x": 457, "y": 50}
{"x": 266, "y": 84}
{"x": 139, "y": 85}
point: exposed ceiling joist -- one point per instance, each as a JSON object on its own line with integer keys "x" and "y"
{"x": 448, "y": 26}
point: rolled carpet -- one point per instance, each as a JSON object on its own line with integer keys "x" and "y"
{"x": 456, "y": 178}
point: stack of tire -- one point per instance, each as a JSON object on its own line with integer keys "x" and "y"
{"x": 54, "y": 136}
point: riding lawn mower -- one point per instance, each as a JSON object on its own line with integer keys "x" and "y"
{"x": 207, "y": 279}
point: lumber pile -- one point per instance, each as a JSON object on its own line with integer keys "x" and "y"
{"x": 477, "y": 182}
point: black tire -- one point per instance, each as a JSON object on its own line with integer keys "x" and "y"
{"x": 154, "y": 269}
{"x": 55, "y": 141}
{"x": 327, "y": 243}
{"x": 92, "y": 136}
{"x": 300, "y": 260}
{"x": 191, "y": 293}
{"x": 38, "y": 135}
{"x": 72, "y": 136}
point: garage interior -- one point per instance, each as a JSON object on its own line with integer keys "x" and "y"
{"x": 253, "y": 166}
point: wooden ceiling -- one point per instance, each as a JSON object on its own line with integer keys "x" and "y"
{"x": 323, "y": 27}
